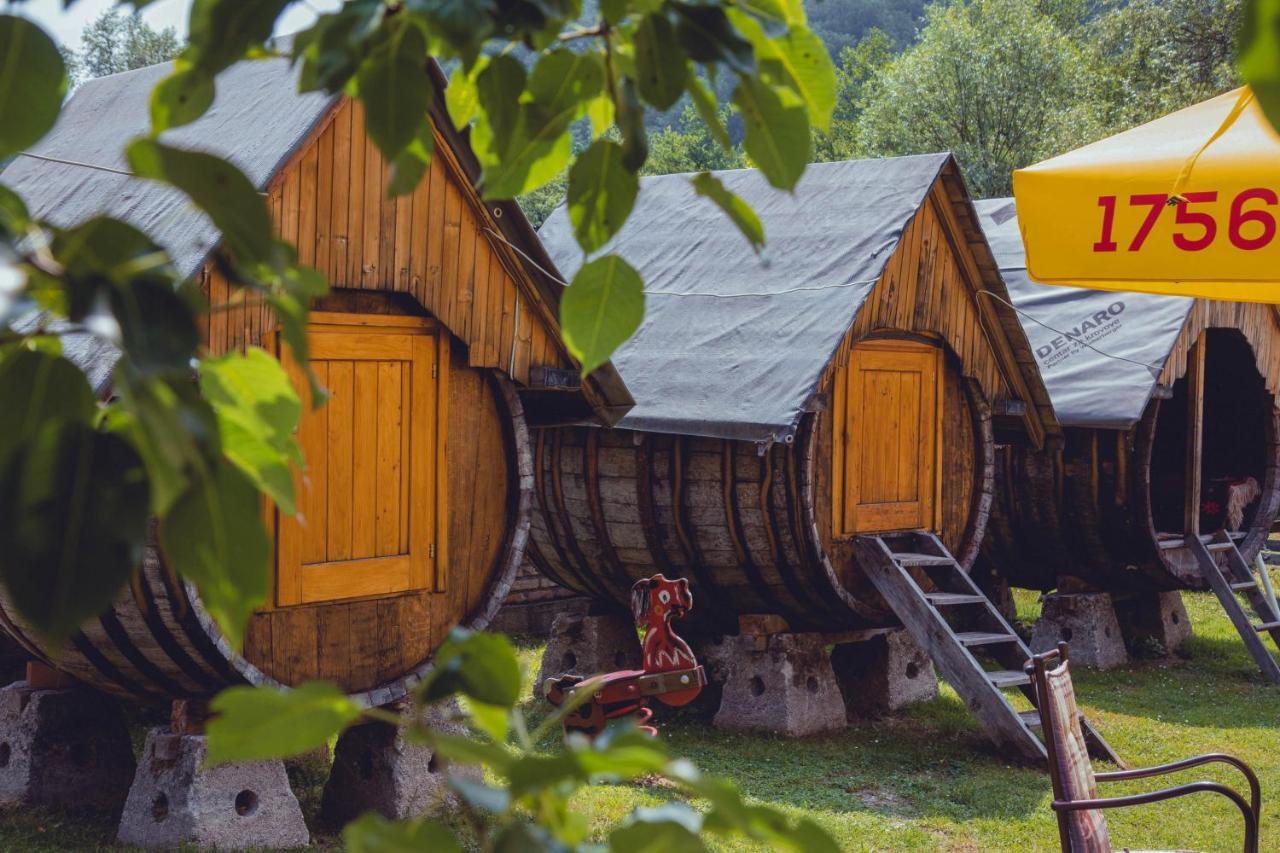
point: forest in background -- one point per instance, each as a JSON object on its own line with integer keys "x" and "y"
{"x": 1001, "y": 83}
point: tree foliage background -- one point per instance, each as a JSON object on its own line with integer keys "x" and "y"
{"x": 1001, "y": 83}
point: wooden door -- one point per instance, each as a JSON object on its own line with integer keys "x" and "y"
{"x": 371, "y": 497}
{"x": 891, "y": 438}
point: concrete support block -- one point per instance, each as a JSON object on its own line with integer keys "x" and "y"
{"x": 1154, "y": 620}
{"x": 781, "y": 683}
{"x": 587, "y": 644}
{"x": 176, "y": 800}
{"x": 1087, "y": 621}
{"x": 883, "y": 674}
{"x": 375, "y": 768}
{"x": 59, "y": 748}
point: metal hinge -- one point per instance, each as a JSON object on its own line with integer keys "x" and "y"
{"x": 435, "y": 370}
{"x": 431, "y": 550}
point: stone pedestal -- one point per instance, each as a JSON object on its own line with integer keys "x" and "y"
{"x": 60, "y": 748}
{"x": 1085, "y": 620}
{"x": 1155, "y": 621}
{"x": 176, "y": 800}
{"x": 882, "y": 674}
{"x": 376, "y": 768}
{"x": 587, "y": 644}
{"x": 781, "y": 683}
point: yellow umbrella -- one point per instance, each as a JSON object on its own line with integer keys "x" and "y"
{"x": 1186, "y": 204}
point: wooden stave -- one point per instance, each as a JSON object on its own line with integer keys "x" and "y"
{"x": 740, "y": 513}
{"x": 1124, "y": 556}
{"x": 158, "y": 623}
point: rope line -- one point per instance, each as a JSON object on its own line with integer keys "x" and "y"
{"x": 48, "y": 159}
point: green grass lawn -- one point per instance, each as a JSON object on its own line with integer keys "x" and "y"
{"x": 926, "y": 779}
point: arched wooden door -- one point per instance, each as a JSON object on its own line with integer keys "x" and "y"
{"x": 372, "y": 497}
{"x": 888, "y": 438}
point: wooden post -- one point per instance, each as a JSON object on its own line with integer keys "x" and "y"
{"x": 1195, "y": 435}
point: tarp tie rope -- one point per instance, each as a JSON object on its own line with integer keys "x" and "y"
{"x": 47, "y": 159}
{"x": 1237, "y": 109}
{"x": 801, "y": 289}
{"x": 1156, "y": 369}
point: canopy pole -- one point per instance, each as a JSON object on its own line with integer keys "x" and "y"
{"x": 1195, "y": 434}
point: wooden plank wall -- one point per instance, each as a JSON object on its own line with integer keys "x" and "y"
{"x": 1258, "y": 323}
{"x": 330, "y": 202}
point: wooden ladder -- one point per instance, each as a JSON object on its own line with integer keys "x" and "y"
{"x": 971, "y": 644}
{"x": 1238, "y": 579}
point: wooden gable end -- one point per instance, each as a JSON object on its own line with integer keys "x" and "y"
{"x": 439, "y": 244}
{"x": 930, "y": 288}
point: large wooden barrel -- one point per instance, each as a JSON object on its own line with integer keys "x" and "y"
{"x": 1107, "y": 508}
{"x": 157, "y": 642}
{"x": 749, "y": 525}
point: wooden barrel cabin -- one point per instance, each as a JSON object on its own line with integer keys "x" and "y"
{"x": 853, "y": 380}
{"x": 1168, "y": 408}
{"x": 434, "y": 345}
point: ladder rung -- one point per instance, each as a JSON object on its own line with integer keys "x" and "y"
{"x": 1236, "y": 587}
{"x": 985, "y": 638}
{"x": 1007, "y": 678}
{"x": 1266, "y": 626}
{"x": 1220, "y": 546}
{"x": 1032, "y": 718}
{"x": 905, "y": 558}
{"x": 949, "y": 598}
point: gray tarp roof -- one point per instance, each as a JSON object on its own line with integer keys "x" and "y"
{"x": 1082, "y": 338}
{"x": 733, "y": 345}
{"x": 257, "y": 120}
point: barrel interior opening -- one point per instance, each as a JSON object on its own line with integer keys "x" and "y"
{"x": 1236, "y": 410}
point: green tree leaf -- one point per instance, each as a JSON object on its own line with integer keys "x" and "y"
{"x": 258, "y": 412}
{"x": 521, "y": 144}
{"x": 1260, "y": 55}
{"x": 411, "y": 164}
{"x": 157, "y": 324}
{"x": 777, "y": 139}
{"x": 481, "y": 666}
{"x": 73, "y": 520}
{"x": 218, "y": 188}
{"x": 602, "y": 192}
{"x": 705, "y": 103}
{"x": 257, "y": 723}
{"x": 601, "y": 309}
{"x": 38, "y": 388}
{"x": 673, "y": 827}
{"x": 707, "y": 35}
{"x": 171, "y": 425}
{"x": 564, "y": 81}
{"x": 213, "y": 535}
{"x": 661, "y": 65}
{"x": 180, "y": 98}
{"x": 222, "y": 31}
{"x": 372, "y": 833}
{"x": 709, "y": 186}
{"x": 797, "y": 59}
{"x": 33, "y": 82}
{"x": 396, "y": 91}
{"x": 461, "y": 97}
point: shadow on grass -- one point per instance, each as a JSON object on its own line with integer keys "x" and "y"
{"x": 930, "y": 761}
{"x": 1215, "y": 686}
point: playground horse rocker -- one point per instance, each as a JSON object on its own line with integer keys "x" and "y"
{"x": 671, "y": 674}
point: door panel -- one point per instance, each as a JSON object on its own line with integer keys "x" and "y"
{"x": 368, "y": 500}
{"x": 888, "y": 463}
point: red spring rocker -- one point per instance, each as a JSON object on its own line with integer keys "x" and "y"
{"x": 671, "y": 674}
